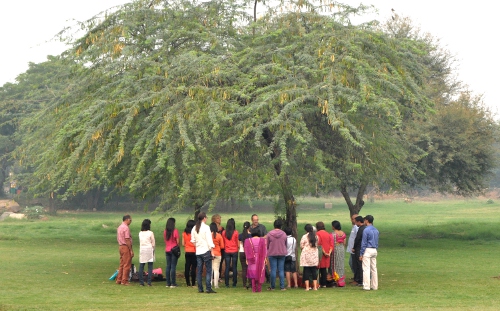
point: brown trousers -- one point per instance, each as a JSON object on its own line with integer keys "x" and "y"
{"x": 125, "y": 263}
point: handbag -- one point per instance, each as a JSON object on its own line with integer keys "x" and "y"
{"x": 341, "y": 282}
{"x": 176, "y": 251}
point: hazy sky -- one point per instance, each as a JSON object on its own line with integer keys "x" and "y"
{"x": 466, "y": 29}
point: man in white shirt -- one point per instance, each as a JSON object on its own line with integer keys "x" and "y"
{"x": 201, "y": 237}
{"x": 350, "y": 243}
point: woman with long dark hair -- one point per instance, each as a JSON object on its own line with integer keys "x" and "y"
{"x": 245, "y": 234}
{"x": 231, "y": 244}
{"x": 309, "y": 256}
{"x": 189, "y": 254}
{"x": 146, "y": 251}
{"x": 337, "y": 263}
{"x": 326, "y": 244}
{"x": 171, "y": 238}
{"x": 203, "y": 241}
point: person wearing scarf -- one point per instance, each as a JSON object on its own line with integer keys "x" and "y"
{"x": 256, "y": 254}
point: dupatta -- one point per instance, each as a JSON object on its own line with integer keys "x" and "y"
{"x": 259, "y": 257}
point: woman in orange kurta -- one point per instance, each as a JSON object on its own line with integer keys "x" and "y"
{"x": 189, "y": 254}
{"x": 325, "y": 241}
{"x": 219, "y": 246}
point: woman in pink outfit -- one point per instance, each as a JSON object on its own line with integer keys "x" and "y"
{"x": 256, "y": 254}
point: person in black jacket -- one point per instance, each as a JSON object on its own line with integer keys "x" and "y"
{"x": 357, "y": 265}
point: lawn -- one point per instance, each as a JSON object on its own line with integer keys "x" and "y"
{"x": 432, "y": 255}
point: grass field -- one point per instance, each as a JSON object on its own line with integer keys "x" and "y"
{"x": 432, "y": 255}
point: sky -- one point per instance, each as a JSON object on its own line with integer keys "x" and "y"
{"x": 466, "y": 29}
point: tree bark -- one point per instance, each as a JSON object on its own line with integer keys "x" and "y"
{"x": 52, "y": 205}
{"x": 197, "y": 210}
{"x": 290, "y": 205}
{"x": 354, "y": 208}
{"x": 286, "y": 188}
{"x": 93, "y": 198}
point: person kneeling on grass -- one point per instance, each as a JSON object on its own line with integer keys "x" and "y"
{"x": 309, "y": 256}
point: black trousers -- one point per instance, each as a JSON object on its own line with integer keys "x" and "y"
{"x": 322, "y": 276}
{"x": 190, "y": 268}
{"x": 310, "y": 272}
{"x": 358, "y": 268}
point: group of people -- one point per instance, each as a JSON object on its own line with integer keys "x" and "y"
{"x": 207, "y": 246}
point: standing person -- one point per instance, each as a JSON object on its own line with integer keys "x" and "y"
{"x": 290, "y": 259}
{"x": 146, "y": 250}
{"x": 230, "y": 236}
{"x": 256, "y": 254}
{"x": 263, "y": 233}
{"x": 171, "y": 238}
{"x": 276, "y": 252}
{"x": 255, "y": 224}
{"x": 339, "y": 240}
{"x": 358, "y": 268}
{"x": 218, "y": 246}
{"x": 350, "y": 243}
{"x": 368, "y": 254}
{"x": 125, "y": 248}
{"x": 217, "y": 219}
{"x": 326, "y": 243}
{"x": 202, "y": 239}
{"x": 245, "y": 234}
{"x": 309, "y": 256}
{"x": 189, "y": 254}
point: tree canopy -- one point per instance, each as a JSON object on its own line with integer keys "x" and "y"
{"x": 195, "y": 102}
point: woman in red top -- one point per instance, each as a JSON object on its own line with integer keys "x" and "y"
{"x": 231, "y": 243}
{"x": 219, "y": 245}
{"x": 325, "y": 241}
{"x": 189, "y": 254}
{"x": 171, "y": 238}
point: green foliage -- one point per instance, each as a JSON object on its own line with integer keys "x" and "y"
{"x": 34, "y": 212}
{"x": 195, "y": 102}
{"x": 459, "y": 141}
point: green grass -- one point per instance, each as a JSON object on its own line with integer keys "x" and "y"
{"x": 433, "y": 255}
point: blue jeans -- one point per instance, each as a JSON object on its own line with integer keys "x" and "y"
{"x": 231, "y": 259}
{"x": 171, "y": 268}
{"x": 204, "y": 259}
{"x": 277, "y": 262}
{"x": 141, "y": 274}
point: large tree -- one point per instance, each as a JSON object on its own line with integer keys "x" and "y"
{"x": 459, "y": 140}
{"x": 195, "y": 102}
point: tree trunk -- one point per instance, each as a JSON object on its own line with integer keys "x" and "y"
{"x": 52, "y": 205}
{"x": 93, "y": 197}
{"x": 354, "y": 208}
{"x": 286, "y": 188}
{"x": 290, "y": 205}
{"x": 3, "y": 178}
{"x": 197, "y": 210}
